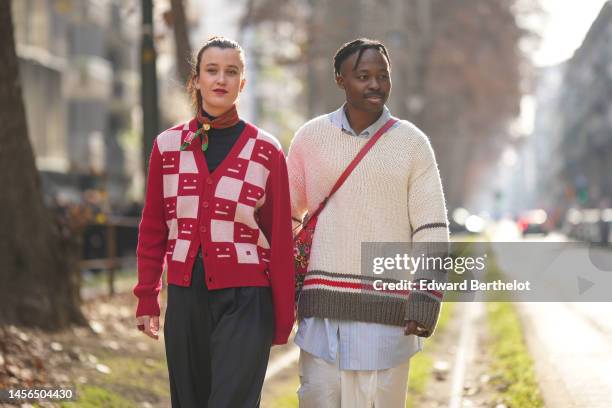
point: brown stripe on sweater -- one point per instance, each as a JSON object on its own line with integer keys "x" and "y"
{"x": 352, "y": 306}
{"x": 429, "y": 226}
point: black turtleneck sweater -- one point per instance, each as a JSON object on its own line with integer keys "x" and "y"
{"x": 220, "y": 142}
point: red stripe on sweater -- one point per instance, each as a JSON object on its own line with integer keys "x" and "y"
{"x": 350, "y": 285}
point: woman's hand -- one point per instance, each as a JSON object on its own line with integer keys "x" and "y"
{"x": 149, "y": 325}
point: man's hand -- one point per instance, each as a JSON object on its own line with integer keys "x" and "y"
{"x": 149, "y": 325}
{"x": 413, "y": 327}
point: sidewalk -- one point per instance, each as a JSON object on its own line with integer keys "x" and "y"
{"x": 571, "y": 343}
{"x": 572, "y": 354}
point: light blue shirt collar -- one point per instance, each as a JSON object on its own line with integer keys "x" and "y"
{"x": 338, "y": 118}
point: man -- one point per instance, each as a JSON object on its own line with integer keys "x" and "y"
{"x": 356, "y": 344}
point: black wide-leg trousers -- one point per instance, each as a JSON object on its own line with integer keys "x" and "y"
{"x": 217, "y": 343}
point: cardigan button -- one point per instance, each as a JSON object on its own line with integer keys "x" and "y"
{"x": 205, "y": 204}
{"x": 203, "y": 228}
{"x": 186, "y": 278}
{"x": 208, "y": 180}
{"x": 193, "y": 254}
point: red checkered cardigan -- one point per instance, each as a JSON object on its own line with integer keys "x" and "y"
{"x": 240, "y": 215}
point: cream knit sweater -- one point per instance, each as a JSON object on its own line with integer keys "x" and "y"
{"x": 393, "y": 195}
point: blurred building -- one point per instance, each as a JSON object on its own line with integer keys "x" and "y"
{"x": 585, "y": 114}
{"x": 571, "y": 145}
{"x": 545, "y": 142}
{"x": 79, "y": 70}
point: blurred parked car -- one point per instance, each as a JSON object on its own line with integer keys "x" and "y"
{"x": 533, "y": 222}
{"x": 590, "y": 225}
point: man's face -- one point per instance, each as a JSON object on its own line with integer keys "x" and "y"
{"x": 367, "y": 85}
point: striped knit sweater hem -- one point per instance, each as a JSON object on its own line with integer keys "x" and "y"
{"x": 355, "y": 297}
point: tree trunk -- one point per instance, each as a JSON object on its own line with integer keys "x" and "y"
{"x": 181, "y": 40}
{"x": 40, "y": 281}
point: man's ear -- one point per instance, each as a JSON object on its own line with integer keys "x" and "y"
{"x": 340, "y": 81}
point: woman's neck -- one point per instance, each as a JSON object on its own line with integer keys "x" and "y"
{"x": 213, "y": 112}
{"x": 208, "y": 115}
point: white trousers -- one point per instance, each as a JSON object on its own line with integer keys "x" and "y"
{"x": 324, "y": 385}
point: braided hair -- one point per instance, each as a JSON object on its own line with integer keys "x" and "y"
{"x": 359, "y": 45}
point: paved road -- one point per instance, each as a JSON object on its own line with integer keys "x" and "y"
{"x": 572, "y": 350}
{"x": 571, "y": 344}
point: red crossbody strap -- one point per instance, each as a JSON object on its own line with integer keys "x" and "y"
{"x": 364, "y": 150}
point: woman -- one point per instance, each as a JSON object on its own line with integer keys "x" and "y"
{"x": 217, "y": 212}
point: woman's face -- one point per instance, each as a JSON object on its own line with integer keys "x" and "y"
{"x": 220, "y": 80}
